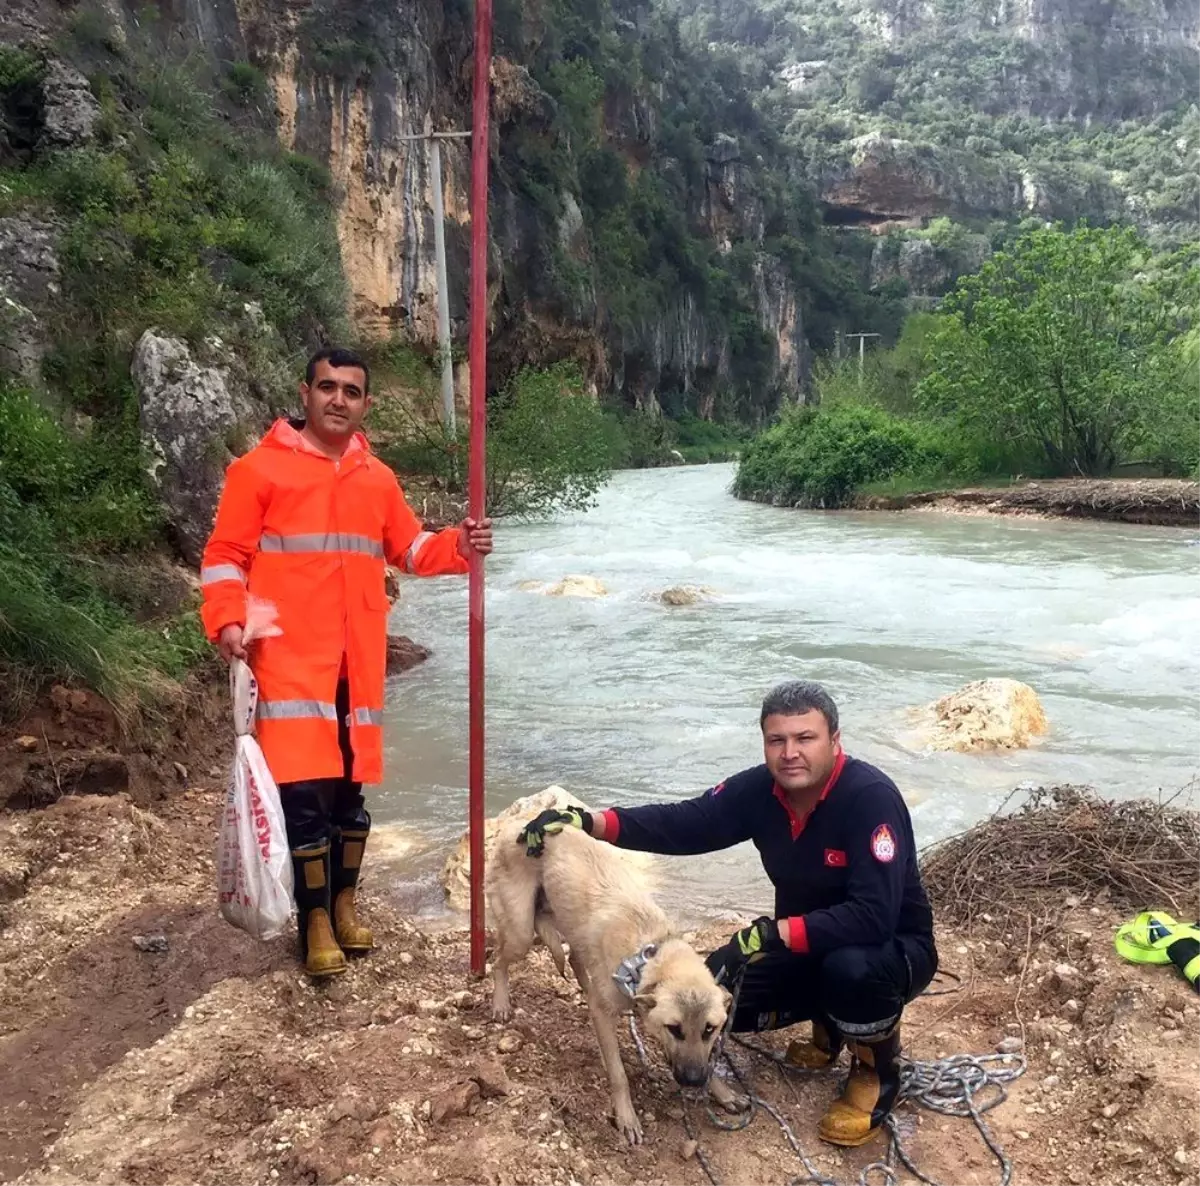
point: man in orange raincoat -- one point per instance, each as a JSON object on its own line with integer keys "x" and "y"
{"x": 307, "y": 520}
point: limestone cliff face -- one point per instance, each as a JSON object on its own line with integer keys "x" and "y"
{"x": 363, "y": 127}
{"x": 1084, "y": 63}
{"x": 354, "y": 86}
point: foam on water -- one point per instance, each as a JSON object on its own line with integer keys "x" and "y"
{"x": 624, "y": 700}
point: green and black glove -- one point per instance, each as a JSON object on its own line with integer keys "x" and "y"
{"x": 551, "y": 822}
{"x": 749, "y": 944}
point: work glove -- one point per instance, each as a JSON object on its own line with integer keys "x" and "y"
{"x": 550, "y": 823}
{"x": 746, "y": 946}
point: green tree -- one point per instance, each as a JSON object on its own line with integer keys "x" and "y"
{"x": 1066, "y": 342}
{"x": 548, "y": 446}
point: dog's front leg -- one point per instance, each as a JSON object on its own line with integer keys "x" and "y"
{"x": 610, "y": 1055}
{"x": 725, "y": 1095}
{"x": 501, "y": 1004}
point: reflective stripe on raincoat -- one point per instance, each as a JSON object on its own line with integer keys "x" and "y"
{"x": 312, "y": 536}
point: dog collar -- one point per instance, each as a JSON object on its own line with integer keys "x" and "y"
{"x": 629, "y": 971}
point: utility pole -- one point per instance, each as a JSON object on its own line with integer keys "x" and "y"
{"x": 443, "y": 292}
{"x": 862, "y": 349}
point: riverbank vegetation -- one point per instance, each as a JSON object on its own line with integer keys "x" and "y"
{"x": 1074, "y": 353}
{"x": 182, "y": 212}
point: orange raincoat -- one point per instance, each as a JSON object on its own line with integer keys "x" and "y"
{"x": 311, "y": 535}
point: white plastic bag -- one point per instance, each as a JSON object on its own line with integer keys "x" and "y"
{"x": 254, "y": 866}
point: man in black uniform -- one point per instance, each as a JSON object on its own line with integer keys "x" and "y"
{"x": 851, "y": 942}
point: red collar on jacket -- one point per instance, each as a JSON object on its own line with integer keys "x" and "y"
{"x": 797, "y": 822}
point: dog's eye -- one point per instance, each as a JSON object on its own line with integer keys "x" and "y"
{"x": 676, "y": 1032}
{"x": 709, "y": 1030}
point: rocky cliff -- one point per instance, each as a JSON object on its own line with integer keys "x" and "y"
{"x": 904, "y": 110}
{"x": 674, "y": 285}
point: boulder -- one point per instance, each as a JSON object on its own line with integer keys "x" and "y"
{"x": 459, "y": 1099}
{"x": 391, "y": 583}
{"x": 403, "y": 654}
{"x": 70, "y": 109}
{"x": 455, "y": 872}
{"x": 492, "y": 1078}
{"x": 685, "y": 595}
{"x": 569, "y": 586}
{"x": 190, "y": 415}
{"x": 988, "y": 714}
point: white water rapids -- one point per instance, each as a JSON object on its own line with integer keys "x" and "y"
{"x": 623, "y": 700}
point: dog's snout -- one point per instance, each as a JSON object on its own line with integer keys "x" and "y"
{"x": 690, "y": 1076}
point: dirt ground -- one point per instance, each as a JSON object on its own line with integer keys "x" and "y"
{"x": 144, "y": 1040}
{"x": 1165, "y": 502}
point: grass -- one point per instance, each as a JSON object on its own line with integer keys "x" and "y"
{"x": 45, "y": 637}
{"x": 183, "y": 211}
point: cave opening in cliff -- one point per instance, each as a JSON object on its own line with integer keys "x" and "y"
{"x": 854, "y": 216}
{"x": 22, "y": 118}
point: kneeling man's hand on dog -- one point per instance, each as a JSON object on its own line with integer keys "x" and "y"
{"x": 747, "y": 945}
{"x": 549, "y": 823}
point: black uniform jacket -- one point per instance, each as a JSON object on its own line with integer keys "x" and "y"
{"x": 847, "y": 874}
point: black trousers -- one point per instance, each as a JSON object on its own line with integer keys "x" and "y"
{"x": 861, "y": 990}
{"x": 315, "y": 807}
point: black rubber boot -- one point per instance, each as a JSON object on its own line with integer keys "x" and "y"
{"x": 318, "y": 948}
{"x": 349, "y": 842}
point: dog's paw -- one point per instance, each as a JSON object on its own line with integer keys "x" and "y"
{"x": 501, "y": 1007}
{"x": 628, "y": 1125}
{"x": 726, "y": 1097}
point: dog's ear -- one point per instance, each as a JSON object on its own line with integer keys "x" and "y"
{"x": 644, "y": 1002}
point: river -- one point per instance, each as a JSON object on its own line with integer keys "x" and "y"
{"x": 623, "y": 700}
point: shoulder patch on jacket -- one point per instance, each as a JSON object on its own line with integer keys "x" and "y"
{"x": 883, "y": 844}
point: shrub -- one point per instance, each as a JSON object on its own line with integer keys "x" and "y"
{"x": 547, "y": 448}
{"x": 705, "y": 440}
{"x": 638, "y": 440}
{"x": 820, "y": 456}
{"x": 549, "y": 445}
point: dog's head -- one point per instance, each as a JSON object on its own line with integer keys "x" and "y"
{"x": 683, "y": 1008}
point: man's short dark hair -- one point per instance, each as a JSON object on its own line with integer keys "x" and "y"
{"x": 797, "y": 697}
{"x": 336, "y": 357}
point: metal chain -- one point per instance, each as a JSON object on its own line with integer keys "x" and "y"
{"x": 954, "y": 1086}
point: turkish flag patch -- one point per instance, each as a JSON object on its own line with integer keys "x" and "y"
{"x": 883, "y": 844}
{"x": 835, "y": 858}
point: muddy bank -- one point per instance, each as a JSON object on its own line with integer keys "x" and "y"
{"x": 1163, "y": 502}
{"x": 143, "y": 1040}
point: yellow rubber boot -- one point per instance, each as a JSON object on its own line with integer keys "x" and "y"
{"x": 870, "y": 1092}
{"x": 348, "y": 846}
{"x": 318, "y": 948}
{"x": 818, "y": 1052}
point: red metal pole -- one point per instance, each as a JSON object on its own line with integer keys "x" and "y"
{"x": 477, "y": 460}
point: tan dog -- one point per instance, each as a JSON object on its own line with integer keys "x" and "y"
{"x": 581, "y": 891}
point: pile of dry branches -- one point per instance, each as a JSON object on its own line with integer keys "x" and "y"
{"x": 1067, "y": 841}
{"x": 1142, "y": 500}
